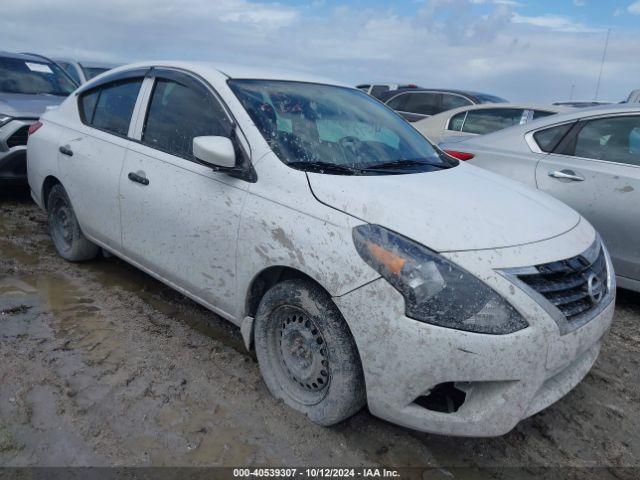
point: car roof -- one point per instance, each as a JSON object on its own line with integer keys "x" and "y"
{"x": 467, "y": 93}
{"x": 232, "y": 71}
{"x": 25, "y": 56}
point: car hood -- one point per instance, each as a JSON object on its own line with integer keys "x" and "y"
{"x": 461, "y": 208}
{"x": 26, "y": 105}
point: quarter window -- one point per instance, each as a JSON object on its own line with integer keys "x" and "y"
{"x": 457, "y": 121}
{"x": 491, "y": 120}
{"x": 177, "y": 114}
{"x": 549, "y": 138}
{"x": 613, "y": 139}
{"x": 110, "y": 107}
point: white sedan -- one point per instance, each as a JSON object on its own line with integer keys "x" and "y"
{"x": 361, "y": 263}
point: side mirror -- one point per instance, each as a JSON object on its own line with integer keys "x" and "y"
{"x": 215, "y": 151}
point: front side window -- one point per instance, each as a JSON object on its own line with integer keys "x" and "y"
{"x": 449, "y": 101}
{"x": 549, "y": 138}
{"x": 33, "y": 77}
{"x": 481, "y": 122}
{"x": 177, "y": 114}
{"x": 330, "y": 129}
{"x": 422, "y": 103}
{"x": 71, "y": 70}
{"x": 612, "y": 139}
{"x": 110, "y": 107}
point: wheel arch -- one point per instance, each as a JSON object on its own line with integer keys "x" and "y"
{"x": 47, "y": 185}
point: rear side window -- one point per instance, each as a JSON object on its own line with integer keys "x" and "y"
{"x": 397, "y": 102}
{"x": 549, "y": 138}
{"x": 110, "y": 107}
{"x": 491, "y": 120}
{"x": 449, "y": 102}
{"x": 177, "y": 114}
{"x": 423, "y": 103}
{"x": 378, "y": 90}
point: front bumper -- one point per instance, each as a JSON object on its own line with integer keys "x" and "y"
{"x": 505, "y": 378}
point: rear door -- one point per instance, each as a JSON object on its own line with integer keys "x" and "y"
{"x": 91, "y": 156}
{"x": 596, "y": 170}
{"x": 179, "y": 217}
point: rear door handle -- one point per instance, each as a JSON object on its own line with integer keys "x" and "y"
{"x": 566, "y": 175}
{"x": 65, "y": 150}
{"x": 134, "y": 177}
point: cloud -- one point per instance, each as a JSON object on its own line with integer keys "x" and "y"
{"x": 471, "y": 44}
{"x": 634, "y": 8}
{"x": 558, "y": 23}
{"x": 579, "y": 3}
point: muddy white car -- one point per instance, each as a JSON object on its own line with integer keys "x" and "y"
{"x": 361, "y": 263}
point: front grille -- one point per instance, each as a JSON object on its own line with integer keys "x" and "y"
{"x": 575, "y": 285}
{"x": 19, "y": 137}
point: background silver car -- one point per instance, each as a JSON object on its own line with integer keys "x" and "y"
{"x": 28, "y": 85}
{"x": 471, "y": 120}
{"x": 589, "y": 159}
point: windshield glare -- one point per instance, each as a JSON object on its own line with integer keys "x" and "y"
{"x": 335, "y": 130}
{"x": 33, "y": 77}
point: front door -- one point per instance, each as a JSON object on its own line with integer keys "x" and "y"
{"x": 180, "y": 218}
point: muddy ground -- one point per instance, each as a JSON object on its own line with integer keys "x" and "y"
{"x": 102, "y": 365}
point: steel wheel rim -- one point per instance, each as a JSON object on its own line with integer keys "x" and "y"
{"x": 303, "y": 357}
{"x": 61, "y": 225}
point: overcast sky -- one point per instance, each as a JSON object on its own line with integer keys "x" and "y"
{"x": 523, "y": 50}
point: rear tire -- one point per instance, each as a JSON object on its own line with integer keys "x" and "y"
{"x": 306, "y": 352}
{"x": 64, "y": 229}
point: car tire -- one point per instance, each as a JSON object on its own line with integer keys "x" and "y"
{"x": 306, "y": 352}
{"x": 68, "y": 239}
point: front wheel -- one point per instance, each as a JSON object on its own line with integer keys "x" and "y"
{"x": 306, "y": 353}
{"x": 70, "y": 242}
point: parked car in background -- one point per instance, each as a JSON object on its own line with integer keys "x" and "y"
{"x": 377, "y": 90}
{"x": 589, "y": 159}
{"x": 417, "y": 103}
{"x": 28, "y": 85}
{"x": 579, "y": 104}
{"x": 262, "y": 196}
{"x": 465, "y": 122}
{"x": 634, "y": 97}
{"x": 83, "y": 71}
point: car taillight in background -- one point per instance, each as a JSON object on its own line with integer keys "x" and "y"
{"x": 33, "y": 128}
{"x": 464, "y": 156}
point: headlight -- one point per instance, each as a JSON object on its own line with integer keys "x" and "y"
{"x": 435, "y": 290}
{"x": 4, "y": 119}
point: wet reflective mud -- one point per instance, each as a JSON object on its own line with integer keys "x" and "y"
{"x": 100, "y": 364}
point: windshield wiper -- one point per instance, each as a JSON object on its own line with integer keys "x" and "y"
{"x": 399, "y": 164}
{"x": 324, "y": 167}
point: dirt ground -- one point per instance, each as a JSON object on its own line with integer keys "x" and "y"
{"x": 102, "y": 365}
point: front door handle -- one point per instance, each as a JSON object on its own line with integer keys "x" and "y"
{"x": 135, "y": 177}
{"x": 65, "y": 150}
{"x": 566, "y": 175}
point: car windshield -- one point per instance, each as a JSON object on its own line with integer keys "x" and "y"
{"x": 32, "y": 77}
{"x": 484, "y": 98}
{"x": 335, "y": 130}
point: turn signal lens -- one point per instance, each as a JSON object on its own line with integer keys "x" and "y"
{"x": 464, "y": 156}
{"x": 34, "y": 127}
